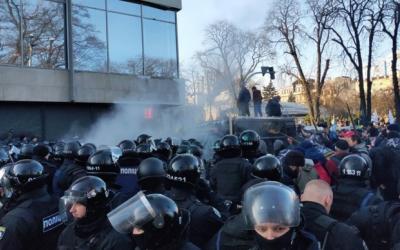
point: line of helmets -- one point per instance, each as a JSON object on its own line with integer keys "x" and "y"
{"x": 132, "y": 183}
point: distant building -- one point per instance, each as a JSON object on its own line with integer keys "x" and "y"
{"x": 64, "y": 63}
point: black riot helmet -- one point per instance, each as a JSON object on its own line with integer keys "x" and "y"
{"x": 127, "y": 146}
{"x": 90, "y": 191}
{"x": 195, "y": 142}
{"x": 354, "y": 166}
{"x": 70, "y": 149}
{"x": 163, "y": 151}
{"x": 26, "y": 151}
{"x": 83, "y": 154}
{"x": 229, "y": 146}
{"x": 41, "y": 150}
{"x": 249, "y": 139}
{"x": 267, "y": 167}
{"x": 58, "y": 149}
{"x": 217, "y": 146}
{"x": 145, "y": 150}
{"x": 184, "y": 171}
{"x": 182, "y": 149}
{"x": 271, "y": 202}
{"x": 4, "y": 158}
{"x": 103, "y": 165}
{"x": 151, "y": 173}
{"x": 157, "y": 215}
{"x": 24, "y": 176}
{"x": 196, "y": 151}
{"x": 143, "y": 139}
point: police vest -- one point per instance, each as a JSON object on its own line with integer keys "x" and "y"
{"x": 41, "y": 213}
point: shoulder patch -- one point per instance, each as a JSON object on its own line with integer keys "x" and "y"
{"x": 2, "y": 232}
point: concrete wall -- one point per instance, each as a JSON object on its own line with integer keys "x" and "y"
{"x": 176, "y": 4}
{"x": 40, "y": 85}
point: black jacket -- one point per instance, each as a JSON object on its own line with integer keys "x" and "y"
{"x": 205, "y": 220}
{"x": 232, "y": 235}
{"x": 31, "y": 222}
{"x": 303, "y": 241}
{"x": 228, "y": 176}
{"x": 98, "y": 235}
{"x": 349, "y": 196}
{"x": 379, "y": 225}
{"x": 273, "y": 108}
{"x": 330, "y": 232}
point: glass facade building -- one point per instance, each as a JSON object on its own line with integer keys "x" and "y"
{"x": 108, "y": 36}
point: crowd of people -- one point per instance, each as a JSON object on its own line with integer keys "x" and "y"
{"x": 320, "y": 190}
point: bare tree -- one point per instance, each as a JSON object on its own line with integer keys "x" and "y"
{"x": 360, "y": 19}
{"x": 286, "y": 20}
{"x": 232, "y": 54}
{"x": 390, "y": 26}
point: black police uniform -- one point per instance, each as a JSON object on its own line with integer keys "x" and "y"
{"x": 205, "y": 220}
{"x": 93, "y": 231}
{"x": 379, "y": 225}
{"x": 32, "y": 222}
{"x": 232, "y": 235}
{"x": 184, "y": 174}
{"x": 302, "y": 241}
{"x": 164, "y": 225}
{"x": 98, "y": 235}
{"x": 330, "y": 232}
{"x": 228, "y": 176}
{"x": 349, "y": 196}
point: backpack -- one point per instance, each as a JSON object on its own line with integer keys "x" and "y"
{"x": 380, "y": 221}
{"x": 328, "y": 224}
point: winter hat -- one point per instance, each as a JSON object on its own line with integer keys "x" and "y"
{"x": 294, "y": 158}
{"x": 342, "y": 145}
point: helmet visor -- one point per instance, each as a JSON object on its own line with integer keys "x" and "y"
{"x": 135, "y": 212}
{"x": 66, "y": 202}
{"x": 271, "y": 202}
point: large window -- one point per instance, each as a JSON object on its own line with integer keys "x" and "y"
{"x": 35, "y": 35}
{"x": 107, "y": 36}
{"x": 125, "y": 44}
{"x": 100, "y": 4}
{"x": 160, "y": 55}
{"x": 43, "y": 37}
{"x": 89, "y": 39}
{"x": 10, "y": 46}
{"x": 158, "y": 14}
{"x": 124, "y": 7}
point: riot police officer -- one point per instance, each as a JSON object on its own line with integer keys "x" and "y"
{"x": 157, "y": 223}
{"x": 267, "y": 167}
{"x": 352, "y": 192}
{"x": 231, "y": 172}
{"x": 26, "y": 151}
{"x": 128, "y": 164}
{"x": 163, "y": 151}
{"x": 143, "y": 139}
{"x": 69, "y": 171}
{"x": 249, "y": 143}
{"x": 86, "y": 200}
{"x": 40, "y": 152}
{"x": 31, "y": 219}
{"x": 152, "y": 175}
{"x": 127, "y": 146}
{"x": 272, "y": 210}
{"x": 83, "y": 154}
{"x": 103, "y": 165}
{"x": 184, "y": 174}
